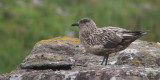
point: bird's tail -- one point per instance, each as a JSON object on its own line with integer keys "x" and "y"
{"x": 139, "y": 33}
{"x": 130, "y": 36}
{"x": 135, "y": 34}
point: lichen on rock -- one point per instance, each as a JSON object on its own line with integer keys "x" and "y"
{"x": 144, "y": 53}
{"x": 54, "y": 53}
{"x": 64, "y": 58}
{"x": 59, "y": 41}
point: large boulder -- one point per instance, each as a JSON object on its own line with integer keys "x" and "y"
{"x": 140, "y": 53}
{"x": 64, "y": 58}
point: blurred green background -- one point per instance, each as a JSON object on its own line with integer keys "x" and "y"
{"x": 24, "y": 22}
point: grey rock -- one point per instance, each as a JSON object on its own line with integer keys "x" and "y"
{"x": 140, "y": 53}
{"x": 58, "y": 53}
{"x": 65, "y": 59}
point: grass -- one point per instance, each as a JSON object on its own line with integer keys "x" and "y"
{"x": 23, "y": 22}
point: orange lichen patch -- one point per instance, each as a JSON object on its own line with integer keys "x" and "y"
{"x": 60, "y": 40}
{"x": 74, "y": 41}
{"x": 57, "y": 58}
{"x": 136, "y": 63}
{"x": 55, "y": 39}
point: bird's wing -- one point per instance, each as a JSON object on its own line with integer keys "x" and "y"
{"x": 127, "y": 36}
{"x": 110, "y": 37}
{"x": 115, "y": 29}
{"x": 106, "y": 37}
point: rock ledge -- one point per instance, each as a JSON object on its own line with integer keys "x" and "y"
{"x": 64, "y": 58}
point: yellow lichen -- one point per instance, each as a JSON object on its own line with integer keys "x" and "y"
{"x": 34, "y": 63}
{"x": 60, "y": 40}
{"x": 155, "y": 44}
{"x": 111, "y": 55}
{"x": 149, "y": 56}
{"x": 55, "y": 39}
{"x": 74, "y": 41}
{"x": 136, "y": 63}
{"x": 57, "y": 58}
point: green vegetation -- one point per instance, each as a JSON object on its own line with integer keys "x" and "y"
{"x": 24, "y": 22}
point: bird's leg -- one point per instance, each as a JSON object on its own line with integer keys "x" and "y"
{"x": 105, "y": 59}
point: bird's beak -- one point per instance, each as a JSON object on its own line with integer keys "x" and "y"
{"x": 75, "y": 24}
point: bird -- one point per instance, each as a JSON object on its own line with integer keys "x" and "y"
{"x": 106, "y": 40}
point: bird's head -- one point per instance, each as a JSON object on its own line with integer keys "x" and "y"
{"x": 85, "y": 23}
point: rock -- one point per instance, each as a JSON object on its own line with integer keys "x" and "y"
{"x": 58, "y": 53}
{"x": 140, "y": 53}
{"x": 64, "y": 58}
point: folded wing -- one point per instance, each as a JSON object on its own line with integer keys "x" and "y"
{"x": 111, "y": 37}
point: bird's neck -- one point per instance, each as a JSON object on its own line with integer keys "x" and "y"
{"x": 87, "y": 30}
{"x": 85, "y": 33}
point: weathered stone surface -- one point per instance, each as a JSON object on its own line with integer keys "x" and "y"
{"x": 66, "y": 59}
{"x": 112, "y": 72}
{"x": 140, "y": 53}
{"x": 58, "y": 53}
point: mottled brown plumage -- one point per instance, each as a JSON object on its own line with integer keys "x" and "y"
{"x": 106, "y": 40}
